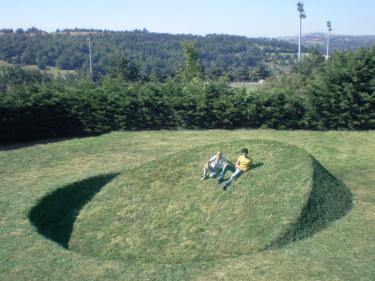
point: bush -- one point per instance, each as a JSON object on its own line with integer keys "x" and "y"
{"x": 342, "y": 94}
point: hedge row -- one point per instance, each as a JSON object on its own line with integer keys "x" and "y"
{"x": 339, "y": 94}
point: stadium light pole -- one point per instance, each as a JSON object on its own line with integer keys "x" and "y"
{"x": 302, "y": 15}
{"x": 329, "y": 26}
{"x": 89, "y": 40}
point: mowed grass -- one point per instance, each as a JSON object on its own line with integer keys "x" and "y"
{"x": 161, "y": 213}
{"x": 342, "y": 250}
{"x": 51, "y": 70}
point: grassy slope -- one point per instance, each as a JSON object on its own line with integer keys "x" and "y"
{"x": 343, "y": 251}
{"x": 54, "y": 71}
{"x": 160, "y": 212}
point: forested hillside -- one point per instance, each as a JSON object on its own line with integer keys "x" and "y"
{"x": 158, "y": 55}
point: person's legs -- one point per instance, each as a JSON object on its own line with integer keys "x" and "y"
{"x": 224, "y": 169}
{"x": 237, "y": 173}
{"x": 206, "y": 170}
{"x": 213, "y": 173}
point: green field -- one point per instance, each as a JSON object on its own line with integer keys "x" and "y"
{"x": 143, "y": 215}
{"x": 54, "y": 71}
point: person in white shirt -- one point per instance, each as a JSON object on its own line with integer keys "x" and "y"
{"x": 214, "y": 166}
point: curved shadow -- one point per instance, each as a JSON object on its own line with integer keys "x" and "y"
{"x": 329, "y": 200}
{"x": 56, "y": 213}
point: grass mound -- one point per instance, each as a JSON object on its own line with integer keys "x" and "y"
{"x": 160, "y": 212}
{"x": 42, "y": 182}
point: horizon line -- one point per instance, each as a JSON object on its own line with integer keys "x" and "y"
{"x": 93, "y": 30}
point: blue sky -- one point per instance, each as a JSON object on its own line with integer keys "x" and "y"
{"x": 251, "y": 18}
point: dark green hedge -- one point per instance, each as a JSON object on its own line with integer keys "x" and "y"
{"x": 50, "y": 110}
{"x": 339, "y": 94}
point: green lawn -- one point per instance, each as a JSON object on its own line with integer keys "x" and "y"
{"x": 54, "y": 71}
{"x": 161, "y": 213}
{"x": 4, "y": 63}
{"x": 341, "y": 248}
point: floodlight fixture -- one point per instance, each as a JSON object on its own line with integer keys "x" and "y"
{"x": 329, "y": 26}
{"x": 90, "y": 57}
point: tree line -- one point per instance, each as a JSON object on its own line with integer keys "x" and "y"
{"x": 334, "y": 94}
{"x": 157, "y": 54}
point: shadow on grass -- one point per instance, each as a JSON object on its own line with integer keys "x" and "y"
{"x": 56, "y": 213}
{"x": 4, "y": 146}
{"x": 13, "y": 145}
{"x": 257, "y": 165}
{"x": 329, "y": 200}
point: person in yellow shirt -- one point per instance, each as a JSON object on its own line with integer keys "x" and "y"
{"x": 243, "y": 164}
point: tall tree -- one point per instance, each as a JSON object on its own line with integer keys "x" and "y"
{"x": 125, "y": 68}
{"x": 191, "y": 68}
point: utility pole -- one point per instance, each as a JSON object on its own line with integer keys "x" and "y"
{"x": 302, "y": 15}
{"x": 90, "y": 58}
{"x": 329, "y": 26}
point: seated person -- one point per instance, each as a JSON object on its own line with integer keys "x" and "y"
{"x": 242, "y": 165}
{"x": 214, "y": 166}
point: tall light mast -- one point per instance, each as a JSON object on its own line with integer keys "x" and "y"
{"x": 90, "y": 57}
{"x": 329, "y": 26}
{"x": 302, "y": 15}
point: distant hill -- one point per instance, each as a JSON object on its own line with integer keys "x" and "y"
{"x": 158, "y": 54}
{"x": 338, "y": 42}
